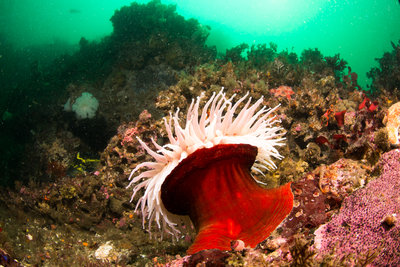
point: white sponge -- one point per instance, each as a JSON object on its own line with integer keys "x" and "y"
{"x": 85, "y": 106}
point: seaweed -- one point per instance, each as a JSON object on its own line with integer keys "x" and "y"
{"x": 387, "y": 75}
{"x": 302, "y": 254}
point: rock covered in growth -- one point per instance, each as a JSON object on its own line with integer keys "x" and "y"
{"x": 367, "y": 224}
{"x": 392, "y": 121}
{"x": 207, "y": 257}
{"x": 283, "y": 90}
{"x": 123, "y": 150}
{"x": 320, "y": 193}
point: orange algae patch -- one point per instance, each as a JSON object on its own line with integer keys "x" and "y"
{"x": 392, "y": 121}
{"x": 214, "y": 187}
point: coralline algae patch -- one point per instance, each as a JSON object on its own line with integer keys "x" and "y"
{"x": 367, "y": 221}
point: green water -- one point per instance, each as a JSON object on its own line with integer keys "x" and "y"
{"x": 359, "y": 30}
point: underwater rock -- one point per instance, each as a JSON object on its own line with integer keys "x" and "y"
{"x": 392, "y": 121}
{"x": 123, "y": 150}
{"x": 361, "y": 229}
{"x": 381, "y": 138}
{"x": 7, "y": 260}
{"x": 116, "y": 206}
{"x": 103, "y": 252}
{"x": 320, "y": 193}
{"x": 208, "y": 257}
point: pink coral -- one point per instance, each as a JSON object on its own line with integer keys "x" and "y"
{"x": 283, "y": 90}
{"x": 360, "y": 226}
{"x": 145, "y": 115}
{"x": 129, "y": 135}
{"x": 392, "y": 121}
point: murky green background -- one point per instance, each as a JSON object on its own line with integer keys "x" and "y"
{"x": 360, "y": 30}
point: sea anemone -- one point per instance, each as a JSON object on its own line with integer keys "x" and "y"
{"x": 204, "y": 174}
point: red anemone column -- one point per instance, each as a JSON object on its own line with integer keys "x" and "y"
{"x": 215, "y": 188}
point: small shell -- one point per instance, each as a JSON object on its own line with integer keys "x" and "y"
{"x": 299, "y": 213}
{"x": 296, "y": 203}
{"x": 316, "y": 194}
{"x": 390, "y": 220}
{"x": 237, "y": 245}
{"x": 29, "y": 237}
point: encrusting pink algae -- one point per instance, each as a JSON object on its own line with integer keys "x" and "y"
{"x": 366, "y": 223}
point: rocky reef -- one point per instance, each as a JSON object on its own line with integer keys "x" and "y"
{"x": 64, "y": 199}
{"x": 367, "y": 221}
